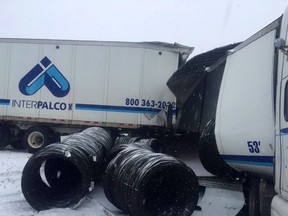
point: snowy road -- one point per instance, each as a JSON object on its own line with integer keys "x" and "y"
{"x": 12, "y": 202}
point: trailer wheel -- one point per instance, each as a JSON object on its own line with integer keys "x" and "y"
{"x": 36, "y": 138}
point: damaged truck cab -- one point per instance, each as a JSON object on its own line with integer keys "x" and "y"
{"x": 280, "y": 201}
{"x": 236, "y": 97}
{"x": 251, "y": 124}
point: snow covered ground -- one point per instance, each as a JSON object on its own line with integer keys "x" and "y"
{"x": 12, "y": 202}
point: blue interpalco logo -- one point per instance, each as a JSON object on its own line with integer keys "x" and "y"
{"x": 44, "y": 73}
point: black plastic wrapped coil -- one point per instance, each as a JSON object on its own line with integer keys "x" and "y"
{"x": 152, "y": 142}
{"x": 126, "y": 140}
{"x": 143, "y": 183}
{"x": 100, "y": 136}
{"x": 120, "y": 147}
{"x": 62, "y": 174}
{"x": 155, "y": 144}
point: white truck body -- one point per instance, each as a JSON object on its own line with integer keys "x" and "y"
{"x": 111, "y": 84}
{"x": 245, "y": 119}
{"x": 280, "y": 202}
{"x": 50, "y": 88}
{"x": 251, "y": 123}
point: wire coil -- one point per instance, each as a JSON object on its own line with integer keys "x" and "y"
{"x": 62, "y": 174}
{"x": 142, "y": 183}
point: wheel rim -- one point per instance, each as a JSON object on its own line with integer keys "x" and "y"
{"x": 35, "y": 139}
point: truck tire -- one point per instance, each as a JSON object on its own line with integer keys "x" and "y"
{"x": 254, "y": 198}
{"x": 266, "y": 194}
{"x": 209, "y": 155}
{"x": 36, "y": 138}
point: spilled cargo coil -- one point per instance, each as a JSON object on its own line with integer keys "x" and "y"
{"x": 153, "y": 143}
{"x": 142, "y": 183}
{"x": 124, "y": 142}
{"x": 62, "y": 174}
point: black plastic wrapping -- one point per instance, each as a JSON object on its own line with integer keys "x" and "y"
{"x": 62, "y": 174}
{"x": 197, "y": 90}
{"x": 186, "y": 78}
{"x": 201, "y": 106}
{"x": 142, "y": 183}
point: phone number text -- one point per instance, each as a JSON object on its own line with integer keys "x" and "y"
{"x": 149, "y": 103}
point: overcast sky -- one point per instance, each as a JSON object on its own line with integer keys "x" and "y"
{"x": 203, "y": 24}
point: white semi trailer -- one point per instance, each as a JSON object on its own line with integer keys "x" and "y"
{"x": 242, "y": 98}
{"x": 251, "y": 123}
{"x": 54, "y": 87}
